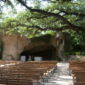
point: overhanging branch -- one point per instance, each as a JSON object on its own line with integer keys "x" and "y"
{"x": 53, "y": 14}
{"x": 44, "y": 29}
{"x": 45, "y": 12}
{"x": 73, "y": 13}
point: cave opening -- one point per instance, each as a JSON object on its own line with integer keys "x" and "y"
{"x": 38, "y": 55}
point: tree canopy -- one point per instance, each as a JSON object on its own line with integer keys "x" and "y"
{"x": 58, "y": 15}
{"x": 37, "y": 17}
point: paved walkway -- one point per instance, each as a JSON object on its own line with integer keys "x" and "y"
{"x": 61, "y": 76}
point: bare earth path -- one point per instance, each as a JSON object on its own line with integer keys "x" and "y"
{"x": 61, "y": 75}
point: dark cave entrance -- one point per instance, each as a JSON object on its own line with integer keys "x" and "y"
{"x": 34, "y": 54}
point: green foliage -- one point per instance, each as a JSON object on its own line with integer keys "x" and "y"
{"x": 75, "y": 43}
{"x": 45, "y": 38}
{"x": 22, "y": 24}
{"x": 34, "y": 24}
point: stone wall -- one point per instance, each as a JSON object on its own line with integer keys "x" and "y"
{"x": 13, "y": 46}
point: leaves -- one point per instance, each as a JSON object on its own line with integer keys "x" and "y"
{"x": 67, "y": 16}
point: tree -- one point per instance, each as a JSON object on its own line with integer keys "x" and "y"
{"x": 37, "y": 19}
{"x": 64, "y": 19}
{"x": 58, "y": 15}
{"x": 67, "y": 14}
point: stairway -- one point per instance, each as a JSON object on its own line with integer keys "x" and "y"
{"x": 61, "y": 76}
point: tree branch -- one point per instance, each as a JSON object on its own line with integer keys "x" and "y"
{"x": 37, "y": 17}
{"x": 50, "y": 28}
{"x": 45, "y": 28}
{"x": 74, "y": 27}
{"x": 45, "y": 12}
{"x": 72, "y": 13}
